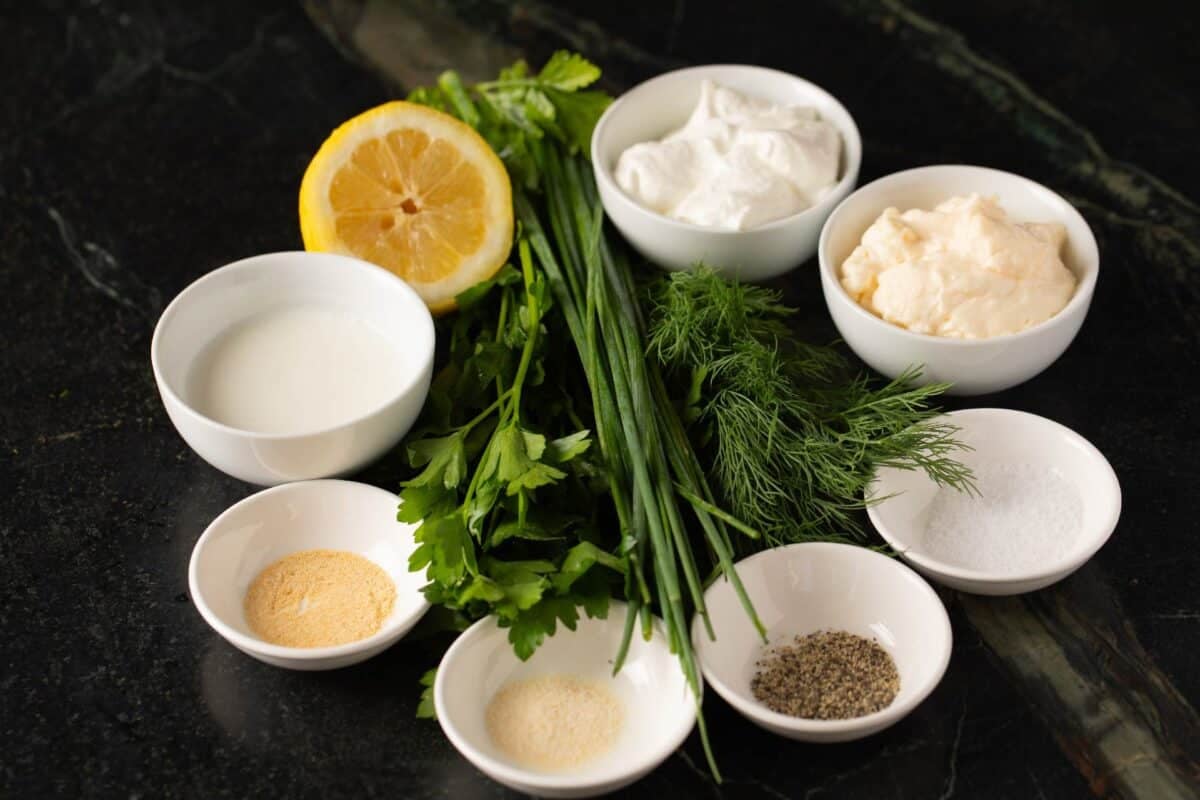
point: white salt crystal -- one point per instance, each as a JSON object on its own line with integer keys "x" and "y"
{"x": 1025, "y": 517}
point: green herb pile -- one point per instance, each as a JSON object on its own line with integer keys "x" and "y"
{"x": 794, "y": 437}
{"x": 554, "y": 469}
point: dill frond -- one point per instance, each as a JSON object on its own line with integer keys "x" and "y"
{"x": 793, "y": 435}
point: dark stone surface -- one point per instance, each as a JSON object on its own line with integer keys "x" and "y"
{"x": 142, "y": 145}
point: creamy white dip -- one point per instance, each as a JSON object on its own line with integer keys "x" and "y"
{"x": 738, "y": 163}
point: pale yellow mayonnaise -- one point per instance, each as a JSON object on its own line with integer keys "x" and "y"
{"x": 738, "y": 163}
{"x": 961, "y": 270}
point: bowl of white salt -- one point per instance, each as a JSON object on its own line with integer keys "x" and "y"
{"x": 1046, "y": 500}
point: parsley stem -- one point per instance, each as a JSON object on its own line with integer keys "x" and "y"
{"x": 501, "y": 324}
{"x": 510, "y": 83}
{"x": 487, "y": 412}
{"x": 532, "y": 324}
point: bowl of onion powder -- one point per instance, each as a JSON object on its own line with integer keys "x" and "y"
{"x": 1045, "y": 500}
{"x": 561, "y": 723}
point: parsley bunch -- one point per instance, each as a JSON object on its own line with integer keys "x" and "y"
{"x": 511, "y": 522}
{"x": 506, "y": 493}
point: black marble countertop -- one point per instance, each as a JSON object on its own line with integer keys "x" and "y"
{"x": 144, "y": 144}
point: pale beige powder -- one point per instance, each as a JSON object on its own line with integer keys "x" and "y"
{"x": 317, "y": 598}
{"x": 554, "y": 722}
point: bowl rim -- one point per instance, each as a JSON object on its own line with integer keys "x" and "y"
{"x": 1080, "y": 299}
{"x": 870, "y": 723}
{"x": 283, "y": 259}
{"x": 851, "y": 141}
{"x": 1088, "y": 546}
{"x": 389, "y": 632}
{"x": 632, "y": 769}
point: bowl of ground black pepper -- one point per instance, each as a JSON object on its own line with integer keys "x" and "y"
{"x": 855, "y": 640}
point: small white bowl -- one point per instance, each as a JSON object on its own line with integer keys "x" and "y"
{"x": 974, "y": 366}
{"x": 998, "y": 434}
{"x": 310, "y": 515}
{"x": 653, "y": 109}
{"x": 660, "y": 709}
{"x": 803, "y": 588}
{"x": 234, "y": 293}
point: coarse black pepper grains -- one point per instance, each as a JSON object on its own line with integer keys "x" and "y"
{"x": 826, "y": 675}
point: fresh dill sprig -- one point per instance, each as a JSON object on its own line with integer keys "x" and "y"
{"x": 794, "y": 436}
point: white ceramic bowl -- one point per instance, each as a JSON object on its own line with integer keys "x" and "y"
{"x": 660, "y": 105}
{"x": 998, "y": 434}
{"x": 659, "y": 707}
{"x": 234, "y": 293}
{"x": 974, "y": 366}
{"x": 308, "y": 515}
{"x": 803, "y": 588}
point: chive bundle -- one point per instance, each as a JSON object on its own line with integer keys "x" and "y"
{"x": 653, "y": 471}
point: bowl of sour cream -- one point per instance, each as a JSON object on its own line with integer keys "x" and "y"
{"x": 293, "y": 366}
{"x": 980, "y": 277}
{"x": 733, "y": 165}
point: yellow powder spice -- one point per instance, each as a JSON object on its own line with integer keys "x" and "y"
{"x": 554, "y": 722}
{"x": 318, "y": 598}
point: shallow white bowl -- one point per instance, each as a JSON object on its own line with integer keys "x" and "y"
{"x": 660, "y": 709}
{"x": 999, "y": 434}
{"x": 803, "y": 588}
{"x": 309, "y": 515}
{"x": 974, "y": 366}
{"x": 234, "y": 293}
{"x": 653, "y": 109}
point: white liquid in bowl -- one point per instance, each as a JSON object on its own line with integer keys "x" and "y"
{"x": 294, "y": 371}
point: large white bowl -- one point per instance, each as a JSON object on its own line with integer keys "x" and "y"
{"x": 308, "y": 515}
{"x": 234, "y": 293}
{"x": 660, "y": 105}
{"x": 803, "y": 588}
{"x": 660, "y": 709}
{"x": 1001, "y": 435}
{"x": 974, "y": 366}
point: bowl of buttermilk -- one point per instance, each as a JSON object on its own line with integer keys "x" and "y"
{"x": 292, "y": 366}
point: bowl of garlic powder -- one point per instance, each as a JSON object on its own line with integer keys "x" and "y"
{"x": 311, "y": 575}
{"x": 980, "y": 277}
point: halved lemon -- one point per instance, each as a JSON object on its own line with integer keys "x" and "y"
{"x": 415, "y": 191}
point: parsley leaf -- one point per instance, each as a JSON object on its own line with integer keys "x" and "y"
{"x": 566, "y": 448}
{"x": 577, "y": 114}
{"x": 534, "y": 624}
{"x": 426, "y": 708}
{"x": 568, "y": 71}
{"x": 445, "y": 460}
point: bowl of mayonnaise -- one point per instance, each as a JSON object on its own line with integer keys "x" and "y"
{"x": 979, "y": 277}
{"x": 735, "y": 166}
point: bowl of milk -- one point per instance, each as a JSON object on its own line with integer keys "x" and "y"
{"x": 293, "y": 366}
